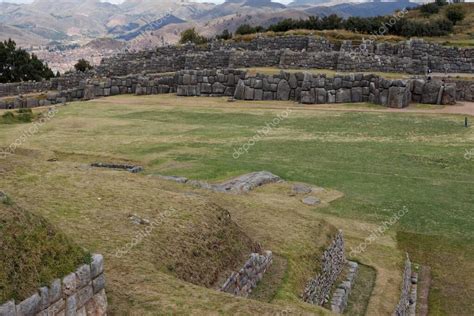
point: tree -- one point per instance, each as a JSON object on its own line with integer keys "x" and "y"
{"x": 441, "y": 3}
{"x": 455, "y": 13}
{"x": 225, "y": 35}
{"x": 190, "y": 35}
{"x": 82, "y": 65}
{"x": 18, "y": 65}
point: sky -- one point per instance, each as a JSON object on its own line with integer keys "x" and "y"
{"x": 120, "y": 1}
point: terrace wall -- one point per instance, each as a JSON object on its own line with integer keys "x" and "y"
{"x": 333, "y": 261}
{"x": 79, "y": 293}
{"x": 243, "y": 282}
{"x": 411, "y": 56}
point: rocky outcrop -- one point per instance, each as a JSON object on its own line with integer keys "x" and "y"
{"x": 79, "y": 293}
{"x": 333, "y": 261}
{"x": 243, "y": 282}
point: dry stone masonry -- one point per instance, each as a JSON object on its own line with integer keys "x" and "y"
{"x": 300, "y": 87}
{"x": 243, "y": 282}
{"x": 333, "y": 261}
{"x": 79, "y": 293}
{"x": 340, "y": 296}
{"x": 407, "y": 303}
{"x": 208, "y": 82}
{"x": 412, "y": 56}
{"x": 310, "y": 88}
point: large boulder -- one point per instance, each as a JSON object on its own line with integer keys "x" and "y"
{"x": 248, "y": 93}
{"x": 430, "y": 92}
{"x": 218, "y": 88}
{"x": 283, "y": 90}
{"x": 343, "y": 96}
{"x": 398, "y": 97}
{"x": 239, "y": 90}
{"x": 89, "y": 92}
{"x": 307, "y": 97}
{"x": 449, "y": 94}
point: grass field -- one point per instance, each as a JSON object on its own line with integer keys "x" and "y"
{"x": 381, "y": 162}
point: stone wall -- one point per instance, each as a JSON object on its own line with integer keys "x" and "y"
{"x": 411, "y": 56}
{"x": 243, "y": 282}
{"x": 300, "y": 87}
{"x": 66, "y": 81}
{"x": 310, "y": 88}
{"x": 79, "y": 293}
{"x": 220, "y": 82}
{"x": 95, "y": 88}
{"x": 464, "y": 88}
{"x": 340, "y": 297}
{"x": 333, "y": 261}
{"x": 403, "y": 306}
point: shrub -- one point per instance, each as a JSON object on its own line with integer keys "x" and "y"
{"x": 429, "y": 9}
{"x": 190, "y": 35}
{"x": 225, "y": 35}
{"x": 455, "y": 14}
{"x": 82, "y": 65}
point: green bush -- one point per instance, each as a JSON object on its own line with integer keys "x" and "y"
{"x": 82, "y": 65}
{"x": 190, "y": 35}
{"x": 225, "y": 35}
{"x": 429, "y": 9}
{"x": 455, "y": 14}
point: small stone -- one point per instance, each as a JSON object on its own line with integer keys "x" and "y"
{"x": 300, "y": 188}
{"x": 311, "y": 200}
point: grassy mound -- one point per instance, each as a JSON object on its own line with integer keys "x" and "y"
{"x": 32, "y": 253}
{"x": 202, "y": 246}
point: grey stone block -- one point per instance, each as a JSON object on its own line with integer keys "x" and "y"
{"x": 29, "y": 306}
{"x": 83, "y": 276}
{"x": 97, "y": 265}
{"x": 7, "y": 309}
{"x": 98, "y": 283}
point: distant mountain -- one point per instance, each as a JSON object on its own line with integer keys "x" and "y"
{"x": 367, "y": 9}
{"x": 75, "y": 22}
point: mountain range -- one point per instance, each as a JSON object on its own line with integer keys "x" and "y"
{"x": 50, "y": 22}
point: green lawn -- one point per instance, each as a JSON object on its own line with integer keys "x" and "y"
{"x": 380, "y": 161}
